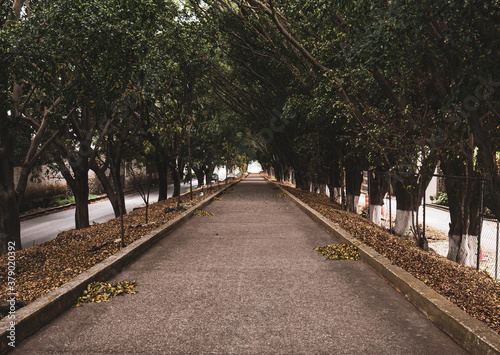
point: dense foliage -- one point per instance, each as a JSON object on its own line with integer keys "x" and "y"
{"x": 325, "y": 89}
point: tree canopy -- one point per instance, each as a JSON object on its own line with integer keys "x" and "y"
{"x": 324, "y": 88}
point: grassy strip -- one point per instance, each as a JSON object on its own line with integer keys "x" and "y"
{"x": 71, "y": 199}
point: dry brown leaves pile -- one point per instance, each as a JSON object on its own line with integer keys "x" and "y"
{"x": 201, "y": 213}
{"x": 474, "y": 292}
{"x": 46, "y": 266}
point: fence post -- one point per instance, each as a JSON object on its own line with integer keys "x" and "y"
{"x": 369, "y": 175}
{"x": 496, "y": 254}
{"x": 481, "y": 213}
{"x": 423, "y": 212}
{"x": 390, "y": 204}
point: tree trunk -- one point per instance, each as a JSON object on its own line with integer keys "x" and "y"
{"x": 488, "y": 158}
{"x": 301, "y": 180}
{"x": 464, "y": 200}
{"x": 278, "y": 172}
{"x": 10, "y": 227}
{"x": 118, "y": 187}
{"x": 81, "y": 194}
{"x": 162, "y": 177}
{"x": 200, "y": 176}
{"x": 378, "y": 187}
{"x": 177, "y": 183}
{"x": 406, "y": 204}
{"x": 335, "y": 183}
{"x": 209, "y": 171}
{"x": 354, "y": 179}
{"x": 108, "y": 188}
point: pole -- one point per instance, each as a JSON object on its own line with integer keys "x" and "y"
{"x": 480, "y": 225}
{"x": 368, "y": 195}
{"x": 390, "y": 204}
{"x": 190, "y": 166}
{"x": 496, "y": 259}
{"x": 423, "y": 222}
{"x": 342, "y": 187}
{"x": 227, "y": 161}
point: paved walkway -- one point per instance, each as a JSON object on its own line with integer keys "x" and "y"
{"x": 246, "y": 281}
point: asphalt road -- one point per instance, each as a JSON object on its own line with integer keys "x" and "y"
{"x": 38, "y": 230}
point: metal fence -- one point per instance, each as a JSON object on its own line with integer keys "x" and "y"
{"x": 489, "y": 245}
{"x": 436, "y": 226}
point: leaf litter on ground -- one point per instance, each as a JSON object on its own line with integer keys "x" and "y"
{"x": 339, "y": 252}
{"x": 98, "y": 292}
{"x": 201, "y": 213}
{"x": 44, "y": 267}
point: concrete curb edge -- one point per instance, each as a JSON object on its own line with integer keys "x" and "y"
{"x": 35, "y": 315}
{"x": 470, "y": 333}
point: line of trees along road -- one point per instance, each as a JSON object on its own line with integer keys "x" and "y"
{"x": 326, "y": 88}
{"x": 89, "y": 85}
{"x": 393, "y": 87}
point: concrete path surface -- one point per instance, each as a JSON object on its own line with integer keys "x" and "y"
{"x": 246, "y": 281}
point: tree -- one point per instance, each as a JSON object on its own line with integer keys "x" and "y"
{"x": 390, "y": 91}
{"x": 19, "y": 81}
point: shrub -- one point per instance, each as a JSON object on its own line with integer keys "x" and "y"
{"x": 442, "y": 199}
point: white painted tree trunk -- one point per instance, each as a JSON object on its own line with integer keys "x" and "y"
{"x": 403, "y": 222}
{"x": 352, "y": 203}
{"x": 376, "y": 214}
{"x": 337, "y": 195}
{"x": 467, "y": 255}
{"x": 463, "y": 249}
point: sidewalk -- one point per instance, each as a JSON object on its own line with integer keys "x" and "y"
{"x": 246, "y": 280}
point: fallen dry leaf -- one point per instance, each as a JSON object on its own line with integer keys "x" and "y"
{"x": 339, "y": 252}
{"x": 98, "y": 292}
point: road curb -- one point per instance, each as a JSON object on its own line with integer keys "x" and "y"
{"x": 42, "y": 211}
{"x": 470, "y": 333}
{"x": 41, "y": 311}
